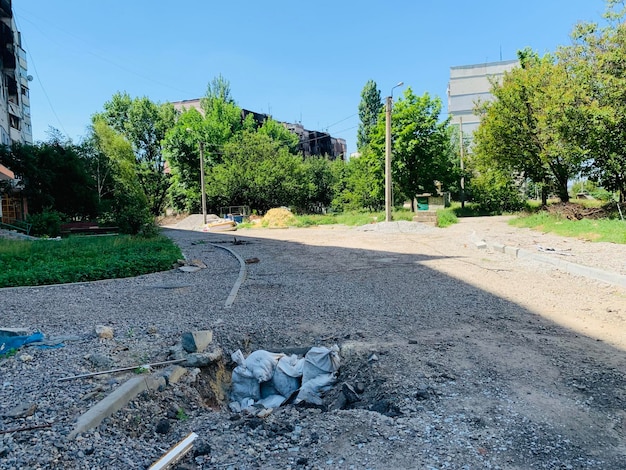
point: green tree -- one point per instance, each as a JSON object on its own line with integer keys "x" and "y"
{"x": 218, "y": 123}
{"x": 129, "y": 207}
{"x": 527, "y": 130}
{"x": 256, "y": 171}
{"x": 597, "y": 61}
{"x": 370, "y": 109}
{"x": 422, "y": 151}
{"x": 55, "y": 177}
{"x": 144, "y": 124}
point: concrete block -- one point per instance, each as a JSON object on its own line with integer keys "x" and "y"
{"x": 511, "y": 250}
{"x": 498, "y": 247}
{"x": 173, "y": 373}
{"x": 203, "y": 359}
{"x": 481, "y": 245}
{"x": 109, "y": 405}
{"x": 197, "y": 341}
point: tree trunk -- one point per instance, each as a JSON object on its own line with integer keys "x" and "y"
{"x": 544, "y": 195}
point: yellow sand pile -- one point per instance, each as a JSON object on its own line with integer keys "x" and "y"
{"x": 279, "y": 217}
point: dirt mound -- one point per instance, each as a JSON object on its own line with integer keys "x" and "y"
{"x": 572, "y": 211}
{"x": 279, "y": 217}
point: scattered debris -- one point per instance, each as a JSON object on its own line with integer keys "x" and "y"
{"x": 21, "y": 411}
{"x": 104, "y": 332}
{"x": 197, "y": 341}
{"x": 10, "y": 343}
{"x": 175, "y": 453}
{"x": 252, "y": 260}
{"x": 554, "y": 250}
{"x": 121, "y": 369}
{"x": 26, "y": 428}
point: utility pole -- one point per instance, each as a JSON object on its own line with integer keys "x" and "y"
{"x": 388, "y": 160}
{"x": 388, "y": 154}
{"x": 202, "y": 189}
{"x": 462, "y": 157}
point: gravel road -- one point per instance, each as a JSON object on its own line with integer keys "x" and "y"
{"x": 464, "y": 358}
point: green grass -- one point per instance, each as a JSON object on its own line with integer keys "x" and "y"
{"x": 446, "y": 217}
{"x": 602, "y": 230}
{"x": 75, "y": 259}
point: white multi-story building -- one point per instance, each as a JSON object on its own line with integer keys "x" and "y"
{"x": 15, "y": 122}
{"x": 469, "y": 85}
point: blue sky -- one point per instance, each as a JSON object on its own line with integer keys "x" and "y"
{"x": 301, "y": 62}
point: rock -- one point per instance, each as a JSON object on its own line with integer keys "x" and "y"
{"x": 26, "y": 357}
{"x": 163, "y": 426}
{"x": 104, "y": 332}
{"x": 197, "y": 341}
{"x": 189, "y": 269}
{"x": 177, "y": 352}
{"x": 22, "y": 410}
{"x": 173, "y": 373}
{"x": 203, "y": 359}
{"x": 100, "y": 360}
{"x": 201, "y": 447}
{"x": 349, "y": 392}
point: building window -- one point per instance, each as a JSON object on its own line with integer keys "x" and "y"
{"x": 14, "y": 121}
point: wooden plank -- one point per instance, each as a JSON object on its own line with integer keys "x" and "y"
{"x": 175, "y": 453}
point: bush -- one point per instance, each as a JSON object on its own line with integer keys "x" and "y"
{"x": 494, "y": 193}
{"x": 446, "y": 217}
{"x": 46, "y": 223}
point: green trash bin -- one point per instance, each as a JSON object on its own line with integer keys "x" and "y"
{"x": 422, "y": 203}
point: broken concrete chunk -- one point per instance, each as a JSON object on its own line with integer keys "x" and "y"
{"x": 104, "y": 332}
{"x": 189, "y": 269}
{"x": 173, "y": 374}
{"x": 203, "y": 359}
{"x": 197, "y": 341}
{"x": 22, "y": 410}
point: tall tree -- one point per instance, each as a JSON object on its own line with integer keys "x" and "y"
{"x": 370, "y": 108}
{"x": 423, "y": 154}
{"x": 527, "y": 129}
{"x": 144, "y": 124}
{"x": 597, "y": 61}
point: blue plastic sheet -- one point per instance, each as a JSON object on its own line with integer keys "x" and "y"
{"x": 11, "y": 343}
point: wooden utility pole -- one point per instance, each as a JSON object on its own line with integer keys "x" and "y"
{"x": 388, "y": 160}
{"x": 462, "y": 168}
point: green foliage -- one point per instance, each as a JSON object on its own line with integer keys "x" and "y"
{"x": 181, "y": 415}
{"x": 144, "y": 124}
{"x": 527, "y": 130}
{"x": 74, "y": 259}
{"x": 446, "y": 217}
{"x": 55, "y": 175}
{"x": 129, "y": 205}
{"x": 603, "y": 230}
{"x": 370, "y": 109}
{"x": 494, "y": 192}
{"x": 46, "y": 223}
{"x": 258, "y": 172}
{"x": 280, "y": 134}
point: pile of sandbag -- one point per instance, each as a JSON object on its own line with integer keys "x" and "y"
{"x": 271, "y": 379}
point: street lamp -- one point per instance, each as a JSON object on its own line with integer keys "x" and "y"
{"x": 202, "y": 189}
{"x": 388, "y": 154}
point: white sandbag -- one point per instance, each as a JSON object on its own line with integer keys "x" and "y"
{"x": 268, "y": 388}
{"x": 291, "y": 365}
{"x": 272, "y": 401}
{"x": 244, "y": 385}
{"x": 262, "y": 364}
{"x": 320, "y": 361}
{"x": 312, "y": 390}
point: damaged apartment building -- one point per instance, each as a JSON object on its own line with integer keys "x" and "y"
{"x": 15, "y": 123}
{"x": 311, "y": 142}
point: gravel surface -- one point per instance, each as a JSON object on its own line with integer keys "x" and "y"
{"x": 462, "y": 358}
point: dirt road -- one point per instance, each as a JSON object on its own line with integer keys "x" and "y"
{"x": 463, "y": 358}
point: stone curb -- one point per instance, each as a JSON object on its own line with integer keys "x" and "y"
{"x": 115, "y": 401}
{"x": 567, "y": 266}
